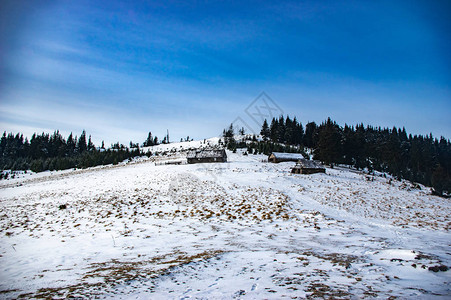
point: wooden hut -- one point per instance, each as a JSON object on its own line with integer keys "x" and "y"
{"x": 305, "y": 166}
{"x": 206, "y": 156}
{"x": 277, "y": 157}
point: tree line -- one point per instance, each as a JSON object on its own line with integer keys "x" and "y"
{"x": 255, "y": 146}
{"x": 418, "y": 158}
{"x": 54, "y": 152}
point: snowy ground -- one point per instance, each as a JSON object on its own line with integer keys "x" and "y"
{"x": 243, "y": 229}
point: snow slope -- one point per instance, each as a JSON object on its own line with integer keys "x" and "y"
{"x": 244, "y": 229}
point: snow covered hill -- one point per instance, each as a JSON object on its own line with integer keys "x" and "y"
{"x": 244, "y": 229}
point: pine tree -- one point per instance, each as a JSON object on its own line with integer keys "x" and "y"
{"x": 288, "y": 137}
{"x": 274, "y": 128}
{"x": 149, "y": 141}
{"x": 298, "y": 132}
{"x": 70, "y": 144}
{"x": 91, "y": 145}
{"x": 229, "y": 132}
{"x": 281, "y": 130}
{"x": 265, "y": 132}
{"x": 81, "y": 145}
{"x": 310, "y": 135}
{"x": 329, "y": 143}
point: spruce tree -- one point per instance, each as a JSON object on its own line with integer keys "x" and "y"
{"x": 81, "y": 145}
{"x": 91, "y": 145}
{"x": 70, "y": 144}
{"x": 310, "y": 135}
{"x": 329, "y": 143}
{"x": 274, "y": 128}
{"x": 149, "y": 141}
{"x": 265, "y": 132}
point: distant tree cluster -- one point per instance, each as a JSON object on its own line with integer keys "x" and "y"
{"x": 417, "y": 158}
{"x": 266, "y": 146}
{"x": 53, "y": 152}
{"x": 153, "y": 141}
{"x": 283, "y": 130}
{"x": 150, "y": 141}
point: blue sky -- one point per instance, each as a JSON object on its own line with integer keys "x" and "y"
{"x": 122, "y": 68}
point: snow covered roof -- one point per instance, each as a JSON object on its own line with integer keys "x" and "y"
{"x": 205, "y": 154}
{"x": 282, "y": 155}
{"x": 308, "y": 164}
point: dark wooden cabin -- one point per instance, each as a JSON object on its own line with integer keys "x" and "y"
{"x": 206, "y": 156}
{"x": 305, "y": 166}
